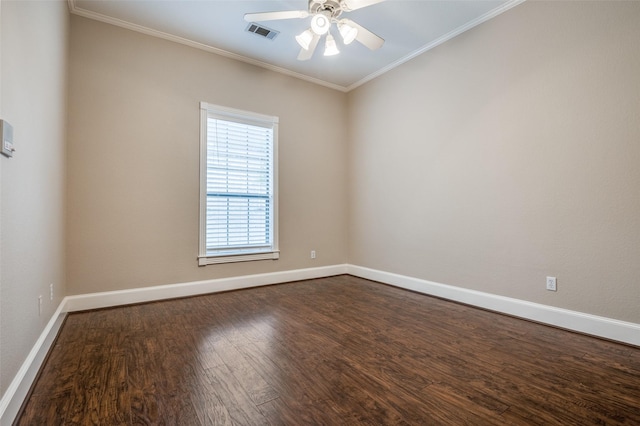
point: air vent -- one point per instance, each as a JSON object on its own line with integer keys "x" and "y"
{"x": 262, "y": 31}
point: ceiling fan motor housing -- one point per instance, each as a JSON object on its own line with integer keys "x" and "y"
{"x": 331, "y": 8}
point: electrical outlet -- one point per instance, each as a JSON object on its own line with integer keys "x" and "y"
{"x": 313, "y": 254}
{"x": 551, "y": 284}
{"x": 51, "y": 291}
{"x": 39, "y": 305}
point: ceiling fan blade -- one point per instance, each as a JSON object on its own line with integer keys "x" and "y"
{"x": 306, "y": 54}
{"x": 349, "y": 5}
{"x": 273, "y": 16}
{"x": 365, "y": 36}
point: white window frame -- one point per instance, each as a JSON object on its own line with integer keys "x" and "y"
{"x": 230, "y": 114}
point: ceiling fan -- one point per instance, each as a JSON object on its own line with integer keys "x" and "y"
{"x": 323, "y": 14}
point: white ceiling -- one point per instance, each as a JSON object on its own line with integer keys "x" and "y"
{"x": 409, "y": 27}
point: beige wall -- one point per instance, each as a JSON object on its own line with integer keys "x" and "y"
{"x": 34, "y": 58}
{"x": 510, "y": 153}
{"x": 133, "y": 160}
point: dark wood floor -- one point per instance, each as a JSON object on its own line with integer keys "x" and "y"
{"x": 333, "y": 351}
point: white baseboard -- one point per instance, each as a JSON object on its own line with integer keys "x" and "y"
{"x": 621, "y": 331}
{"x": 19, "y": 388}
{"x": 148, "y": 294}
{"x": 11, "y": 401}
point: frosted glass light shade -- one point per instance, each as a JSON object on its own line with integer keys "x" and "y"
{"x": 320, "y": 23}
{"x": 330, "y": 47}
{"x": 347, "y": 32}
{"x": 304, "y": 39}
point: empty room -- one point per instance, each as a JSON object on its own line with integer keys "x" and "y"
{"x": 331, "y": 212}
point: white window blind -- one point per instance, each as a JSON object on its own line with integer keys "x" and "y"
{"x": 238, "y": 186}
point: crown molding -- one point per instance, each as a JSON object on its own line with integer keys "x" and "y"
{"x": 437, "y": 42}
{"x": 74, "y": 9}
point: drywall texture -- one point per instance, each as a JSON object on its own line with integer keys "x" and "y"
{"x": 34, "y": 58}
{"x": 506, "y": 155}
{"x": 133, "y": 160}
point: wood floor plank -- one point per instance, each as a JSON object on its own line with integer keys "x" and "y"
{"x": 287, "y": 376}
{"x": 233, "y": 397}
{"x": 49, "y": 411}
{"x": 360, "y": 398}
{"x": 336, "y": 350}
{"x": 209, "y": 407}
{"x": 99, "y": 399}
{"x": 255, "y": 386}
{"x": 143, "y": 370}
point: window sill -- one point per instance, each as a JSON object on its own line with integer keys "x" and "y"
{"x": 213, "y": 260}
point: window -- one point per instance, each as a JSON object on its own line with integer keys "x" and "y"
{"x": 238, "y": 186}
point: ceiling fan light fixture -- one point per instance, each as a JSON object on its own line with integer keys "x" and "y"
{"x": 330, "y": 47}
{"x": 320, "y": 23}
{"x": 304, "y": 39}
{"x": 322, "y": 15}
{"x": 347, "y": 32}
